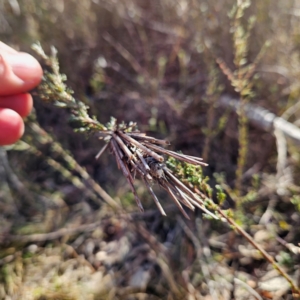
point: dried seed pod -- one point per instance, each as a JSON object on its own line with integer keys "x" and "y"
{"x": 137, "y": 153}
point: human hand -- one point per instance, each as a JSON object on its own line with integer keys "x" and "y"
{"x": 19, "y": 73}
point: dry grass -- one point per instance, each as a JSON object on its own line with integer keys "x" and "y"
{"x": 163, "y": 64}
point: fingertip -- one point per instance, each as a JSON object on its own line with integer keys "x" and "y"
{"x": 26, "y": 106}
{"x": 28, "y": 69}
{"x": 21, "y": 103}
{"x": 12, "y": 126}
{"x": 19, "y": 73}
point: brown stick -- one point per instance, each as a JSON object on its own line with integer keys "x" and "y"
{"x": 170, "y": 192}
{"x": 149, "y": 139}
{"x": 126, "y": 173}
{"x": 101, "y": 151}
{"x": 142, "y": 147}
{"x": 123, "y": 146}
{"x": 188, "y": 159}
{"x": 182, "y": 199}
{"x": 41, "y": 237}
{"x": 266, "y": 255}
{"x": 179, "y": 183}
{"x": 154, "y": 197}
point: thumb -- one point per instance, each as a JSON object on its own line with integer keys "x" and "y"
{"x": 19, "y": 72}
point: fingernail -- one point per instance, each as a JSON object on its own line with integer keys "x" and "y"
{"x": 23, "y": 65}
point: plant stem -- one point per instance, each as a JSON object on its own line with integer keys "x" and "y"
{"x": 267, "y": 256}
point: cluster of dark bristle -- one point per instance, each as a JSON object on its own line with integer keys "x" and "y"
{"x": 137, "y": 153}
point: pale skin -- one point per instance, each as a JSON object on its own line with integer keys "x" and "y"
{"x": 19, "y": 73}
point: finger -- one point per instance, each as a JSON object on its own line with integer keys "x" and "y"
{"x": 22, "y": 103}
{"x": 12, "y": 126}
{"x": 19, "y": 73}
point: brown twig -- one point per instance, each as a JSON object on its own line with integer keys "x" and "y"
{"x": 267, "y": 256}
{"x": 41, "y": 237}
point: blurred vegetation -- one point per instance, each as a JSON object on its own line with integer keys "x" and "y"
{"x": 163, "y": 64}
